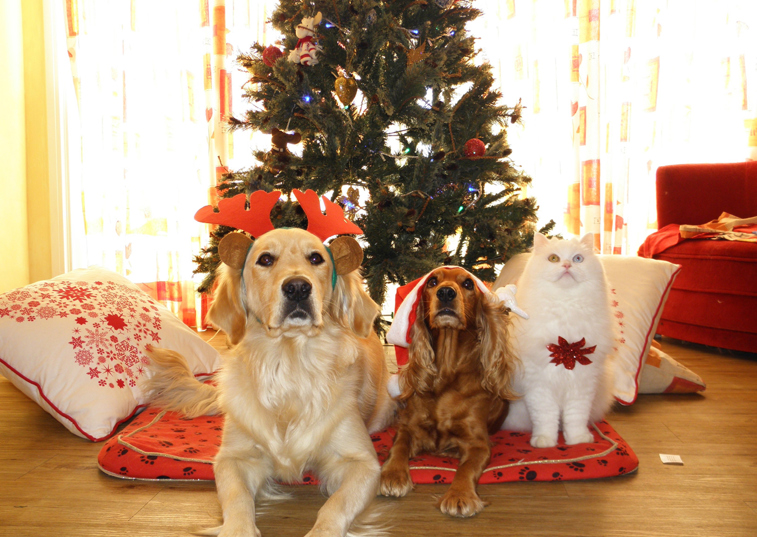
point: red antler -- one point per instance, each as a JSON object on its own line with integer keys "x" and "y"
{"x": 322, "y": 225}
{"x": 232, "y": 212}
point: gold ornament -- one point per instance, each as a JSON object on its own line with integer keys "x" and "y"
{"x": 346, "y": 89}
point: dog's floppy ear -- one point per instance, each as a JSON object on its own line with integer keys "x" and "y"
{"x": 228, "y": 311}
{"x": 351, "y": 306}
{"x": 419, "y": 372}
{"x": 497, "y": 357}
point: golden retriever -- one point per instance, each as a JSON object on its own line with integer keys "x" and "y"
{"x": 455, "y": 386}
{"x": 303, "y": 388}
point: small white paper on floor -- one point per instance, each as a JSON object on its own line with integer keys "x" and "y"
{"x": 671, "y": 459}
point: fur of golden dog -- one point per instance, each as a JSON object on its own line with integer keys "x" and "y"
{"x": 303, "y": 387}
{"x": 455, "y": 387}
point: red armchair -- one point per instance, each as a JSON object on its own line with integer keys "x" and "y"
{"x": 714, "y": 299}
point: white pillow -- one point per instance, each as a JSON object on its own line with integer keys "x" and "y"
{"x": 640, "y": 287}
{"x": 75, "y": 345}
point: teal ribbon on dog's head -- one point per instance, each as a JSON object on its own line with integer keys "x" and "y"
{"x": 333, "y": 267}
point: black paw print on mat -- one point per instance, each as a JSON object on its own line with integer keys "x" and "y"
{"x": 188, "y": 471}
{"x": 526, "y": 474}
{"x": 438, "y": 478}
{"x": 148, "y": 459}
{"x": 576, "y": 466}
{"x": 602, "y": 462}
{"x": 557, "y": 476}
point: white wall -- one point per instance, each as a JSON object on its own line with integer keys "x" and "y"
{"x": 14, "y": 263}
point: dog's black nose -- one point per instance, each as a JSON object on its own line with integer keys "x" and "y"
{"x": 446, "y": 294}
{"x": 296, "y": 290}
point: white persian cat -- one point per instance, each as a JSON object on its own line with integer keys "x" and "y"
{"x": 566, "y": 347}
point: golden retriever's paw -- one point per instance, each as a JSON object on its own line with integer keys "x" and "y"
{"x": 323, "y": 532}
{"x": 461, "y": 503}
{"x": 395, "y": 482}
{"x": 246, "y": 530}
{"x": 542, "y": 441}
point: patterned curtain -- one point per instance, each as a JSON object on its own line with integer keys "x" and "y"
{"x": 613, "y": 89}
{"x": 153, "y": 82}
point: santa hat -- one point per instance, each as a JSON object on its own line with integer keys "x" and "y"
{"x": 404, "y": 317}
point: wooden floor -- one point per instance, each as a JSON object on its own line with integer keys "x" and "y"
{"x": 50, "y": 483}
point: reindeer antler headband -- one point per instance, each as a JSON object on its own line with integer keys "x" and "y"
{"x": 346, "y": 253}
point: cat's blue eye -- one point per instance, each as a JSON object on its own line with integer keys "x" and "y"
{"x": 578, "y": 258}
{"x": 554, "y": 258}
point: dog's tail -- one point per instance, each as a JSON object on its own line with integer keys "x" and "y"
{"x": 173, "y": 386}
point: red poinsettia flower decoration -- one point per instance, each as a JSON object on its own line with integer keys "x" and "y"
{"x": 568, "y": 354}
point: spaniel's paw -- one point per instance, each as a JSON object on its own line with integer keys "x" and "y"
{"x": 581, "y": 437}
{"x": 395, "y": 482}
{"x": 461, "y": 503}
{"x": 542, "y": 441}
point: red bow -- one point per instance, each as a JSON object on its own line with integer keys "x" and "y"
{"x": 568, "y": 354}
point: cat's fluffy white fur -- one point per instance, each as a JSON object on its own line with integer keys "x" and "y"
{"x": 565, "y": 292}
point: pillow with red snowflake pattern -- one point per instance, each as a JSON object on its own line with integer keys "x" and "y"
{"x": 75, "y": 344}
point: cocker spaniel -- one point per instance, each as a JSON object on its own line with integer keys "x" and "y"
{"x": 304, "y": 386}
{"x": 455, "y": 387}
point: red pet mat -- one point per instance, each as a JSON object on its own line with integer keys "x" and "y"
{"x": 160, "y": 445}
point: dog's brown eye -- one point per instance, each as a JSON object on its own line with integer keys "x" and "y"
{"x": 265, "y": 260}
{"x": 315, "y": 258}
{"x": 432, "y": 282}
{"x": 468, "y": 284}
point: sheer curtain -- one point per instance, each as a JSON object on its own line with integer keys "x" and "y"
{"x": 613, "y": 89}
{"x": 153, "y": 82}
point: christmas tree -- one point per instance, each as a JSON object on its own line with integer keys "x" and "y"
{"x": 398, "y": 123}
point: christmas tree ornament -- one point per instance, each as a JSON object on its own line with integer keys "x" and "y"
{"x": 417, "y": 54}
{"x": 306, "y": 50}
{"x": 444, "y": 4}
{"x": 474, "y": 148}
{"x": 279, "y": 156}
{"x": 271, "y": 54}
{"x": 346, "y": 89}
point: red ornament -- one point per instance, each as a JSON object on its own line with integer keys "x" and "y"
{"x": 568, "y": 354}
{"x": 474, "y": 148}
{"x": 270, "y": 55}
